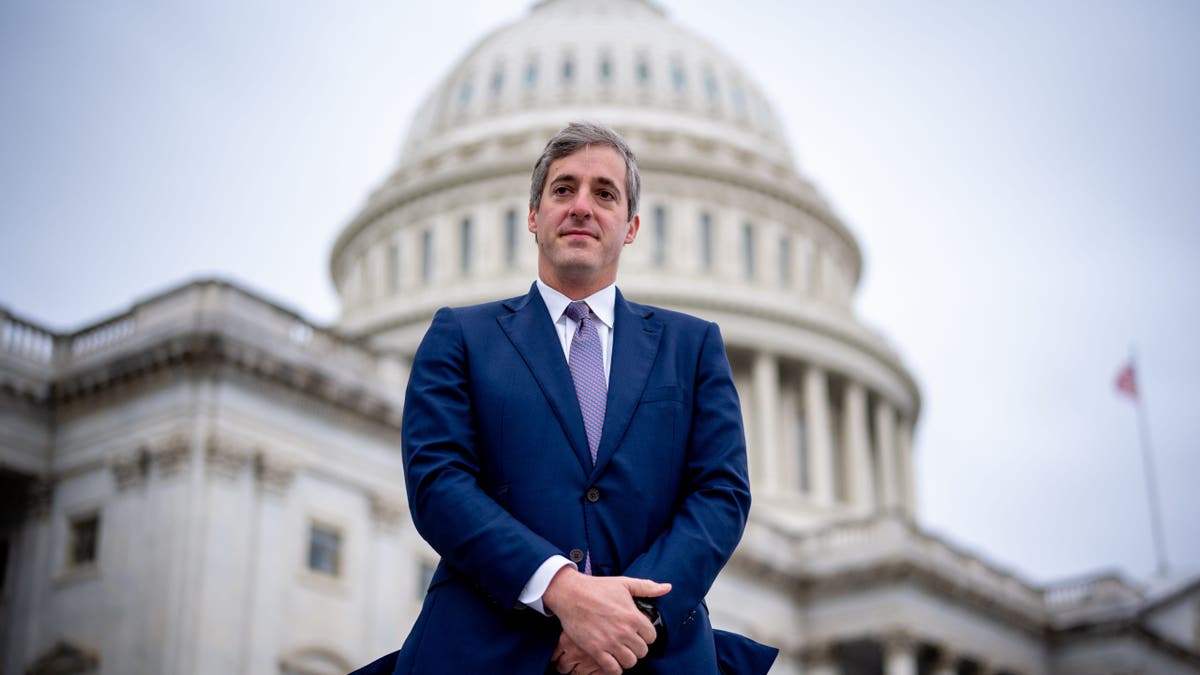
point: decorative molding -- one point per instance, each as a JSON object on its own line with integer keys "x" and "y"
{"x": 225, "y": 458}
{"x": 273, "y": 473}
{"x": 387, "y": 513}
{"x": 130, "y": 468}
{"x": 171, "y": 455}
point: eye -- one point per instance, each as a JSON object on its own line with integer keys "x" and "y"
{"x": 605, "y": 194}
{"x": 561, "y": 190}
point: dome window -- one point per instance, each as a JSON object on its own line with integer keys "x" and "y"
{"x": 748, "y": 250}
{"x": 427, "y": 256}
{"x": 512, "y": 235}
{"x": 605, "y": 69}
{"x": 659, "y": 247}
{"x": 464, "y": 94}
{"x": 678, "y": 78}
{"x": 785, "y": 260}
{"x": 705, "y": 239}
{"x": 467, "y": 245}
{"x": 711, "y": 88}
{"x": 531, "y": 74}
{"x": 393, "y": 267}
{"x": 497, "y": 81}
{"x": 643, "y": 71}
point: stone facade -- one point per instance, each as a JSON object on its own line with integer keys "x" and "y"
{"x": 209, "y": 483}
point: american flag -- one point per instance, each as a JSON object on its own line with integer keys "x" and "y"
{"x": 1127, "y": 381}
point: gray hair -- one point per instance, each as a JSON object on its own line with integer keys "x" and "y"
{"x": 578, "y": 135}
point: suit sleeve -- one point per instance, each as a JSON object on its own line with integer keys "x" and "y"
{"x": 708, "y": 524}
{"x": 474, "y": 535}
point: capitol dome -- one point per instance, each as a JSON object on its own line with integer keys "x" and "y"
{"x": 730, "y": 231}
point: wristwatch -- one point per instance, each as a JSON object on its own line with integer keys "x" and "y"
{"x": 645, "y": 606}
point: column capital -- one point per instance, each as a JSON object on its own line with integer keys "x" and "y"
{"x": 130, "y": 467}
{"x": 170, "y": 456}
{"x": 226, "y": 459}
{"x": 274, "y": 473}
{"x": 387, "y": 513}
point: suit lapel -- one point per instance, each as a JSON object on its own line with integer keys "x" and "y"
{"x": 634, "y": 347}
{"x": 530, "y": 330}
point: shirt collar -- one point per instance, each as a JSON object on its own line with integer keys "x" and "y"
{"x": 602, "y": 302}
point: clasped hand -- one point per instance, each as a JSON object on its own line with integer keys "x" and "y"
{"x": 603, "y": 631}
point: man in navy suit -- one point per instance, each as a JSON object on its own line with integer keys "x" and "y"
{"x": 577, "y": 460}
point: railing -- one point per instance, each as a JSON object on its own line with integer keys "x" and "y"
{"x": 203, "y": 305}
{"x": 1101, "y": 589}
{"x": 26, "y": 340}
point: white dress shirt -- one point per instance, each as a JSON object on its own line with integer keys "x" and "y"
{"x": 602, "y": 303}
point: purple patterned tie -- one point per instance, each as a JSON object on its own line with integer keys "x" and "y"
{"x": 586, "y": 361}
{"x": 587, "y": 370}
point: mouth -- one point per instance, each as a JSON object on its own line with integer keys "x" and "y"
{"x": 577, "y": 233}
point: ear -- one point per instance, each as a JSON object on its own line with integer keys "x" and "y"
{"x": 633, "y": 229}
{"x": 531, "y": 222}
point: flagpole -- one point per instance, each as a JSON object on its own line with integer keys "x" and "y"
{"x": 1160, "y": 547}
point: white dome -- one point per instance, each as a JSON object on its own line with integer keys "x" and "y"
{"x": 619, "y": 61}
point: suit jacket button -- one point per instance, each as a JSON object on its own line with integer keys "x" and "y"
{"x": 593, "y": 495}
{"x": 576, "y": 556}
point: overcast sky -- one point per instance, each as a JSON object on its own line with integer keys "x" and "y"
{"x": 1023, "y": 177}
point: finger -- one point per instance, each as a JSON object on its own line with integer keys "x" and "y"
{"x": 646, "y": 632}
{"x": 608, "y": 665}
{"x": 626, "y": 658}
{"x": 645, "y": 588}
{"x": 641, "y": 649}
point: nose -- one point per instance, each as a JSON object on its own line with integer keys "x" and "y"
{"x": 581, "y": 207}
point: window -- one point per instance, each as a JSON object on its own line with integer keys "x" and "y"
{"x": 465, "y": 244}
{"x": 324, "y": 550}
{"x": 710, "y": 86}
{"x": 393, "y": 271}
{"x": 568, "y": 70}
{"x": 512, "y": 235}
{"x": 497, "y": 81}
{"x": 531, "y": 74}
{"x": 706, "y": 250}
{"x": 748, "y": 250}
{"x": 464, "y": 94}
{"x": 643, "y": 71}
{"x": 427, "y": 256}
{"x": 605, "y": 69}
{"x": 785, "y": 260}
{"x": 83, "y": 541}
{"x": 660, "y": 236}
{"x": 678, "y": 78}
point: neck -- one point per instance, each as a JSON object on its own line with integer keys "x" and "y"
{"x": 575, "y": 289}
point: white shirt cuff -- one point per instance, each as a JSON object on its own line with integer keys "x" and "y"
{"x": 531, "y": 595}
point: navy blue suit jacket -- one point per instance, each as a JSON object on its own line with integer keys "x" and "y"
{"x": 499, "y": 479}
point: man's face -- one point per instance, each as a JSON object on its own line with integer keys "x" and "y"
{"x": 582, "y": 222}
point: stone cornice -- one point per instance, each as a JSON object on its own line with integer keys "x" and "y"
{"x": 191, "y": 350}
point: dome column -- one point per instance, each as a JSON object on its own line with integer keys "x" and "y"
{"x": 766, "y": 419}
{"x": 818, "y": 436}
{"x": 900, "y": 654}
{"x": 908, "y": 492}
{"x": 861, "y": 488}
{"x": 886, "y": 449}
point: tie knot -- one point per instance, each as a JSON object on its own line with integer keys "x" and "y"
{"x": 577, "y": 310}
